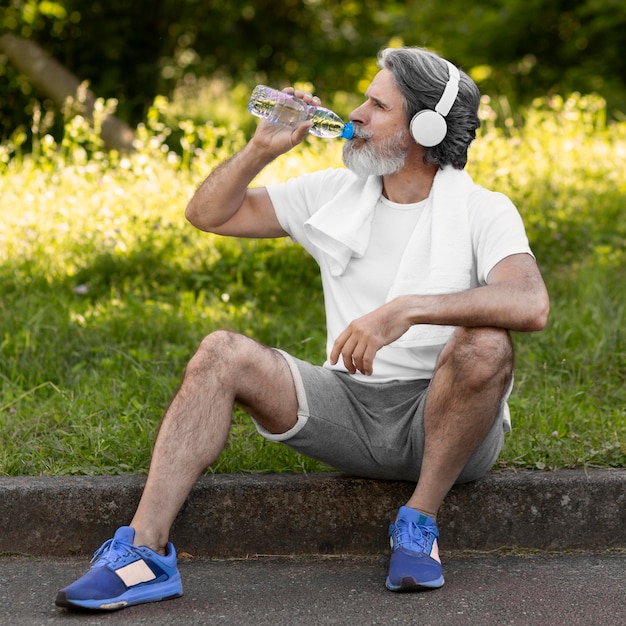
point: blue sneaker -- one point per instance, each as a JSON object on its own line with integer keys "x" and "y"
{"x": 415, "y": 562}
{"x": 122, "y": 575}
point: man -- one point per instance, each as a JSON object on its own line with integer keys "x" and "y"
{"x": 424, "y": 275}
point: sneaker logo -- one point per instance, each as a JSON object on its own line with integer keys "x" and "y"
{"x": 113, "y": 605}
{"x": 135, "y": 573}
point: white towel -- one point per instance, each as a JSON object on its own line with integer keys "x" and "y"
{"x": 341, "y": 228}
{"x": 438, "y": 257}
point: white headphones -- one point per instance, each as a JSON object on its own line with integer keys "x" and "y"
{"x": 429, "y": 127}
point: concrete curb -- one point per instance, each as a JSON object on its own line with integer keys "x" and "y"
{"x": 325, "y": 513}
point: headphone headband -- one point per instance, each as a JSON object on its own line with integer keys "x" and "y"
{"x": 450, "y": 92}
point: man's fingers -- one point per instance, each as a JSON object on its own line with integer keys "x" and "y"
{"x": 347, "y": 355}
{"x": 357, "y": 349}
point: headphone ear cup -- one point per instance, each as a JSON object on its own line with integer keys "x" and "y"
{"x": 428, "y": 128}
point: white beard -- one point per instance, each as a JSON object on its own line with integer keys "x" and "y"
{"x": 368, "y": 160}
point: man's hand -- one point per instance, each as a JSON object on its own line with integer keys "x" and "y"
{"x": 365, "y": 336}
{"x": 276, "y": 139}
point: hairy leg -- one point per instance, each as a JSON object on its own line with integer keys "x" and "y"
{"x": 471, "y": 378}
{"x": 226, "y": 369}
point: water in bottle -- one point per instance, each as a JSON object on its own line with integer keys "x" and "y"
{"x": 283, "y": 108}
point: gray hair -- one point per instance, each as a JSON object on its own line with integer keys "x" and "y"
{"x": 421, "y": 76}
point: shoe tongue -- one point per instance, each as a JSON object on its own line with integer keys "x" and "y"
{"x": 125, "y": 534}
{"x": 412, "y": 515}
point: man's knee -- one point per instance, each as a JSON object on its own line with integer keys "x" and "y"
{"x": 481, "y": 356}
{"x": 221, "y": 349}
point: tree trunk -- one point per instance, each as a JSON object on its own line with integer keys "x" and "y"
{"x": 53, "y": 80}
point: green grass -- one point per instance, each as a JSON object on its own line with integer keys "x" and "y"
{"x": 105, "y": 291}
{"x": 569, "y": 405}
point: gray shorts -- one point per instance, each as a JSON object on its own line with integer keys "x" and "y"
{"x": 372, "y": 430}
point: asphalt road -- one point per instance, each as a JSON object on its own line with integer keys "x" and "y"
{"x": 481, "y": 590}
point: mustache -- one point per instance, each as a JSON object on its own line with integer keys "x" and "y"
{"x": 360, "y": 133}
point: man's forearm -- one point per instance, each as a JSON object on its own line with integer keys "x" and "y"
{"x": 515, "y": 298}
{"x": 522, "y": 308}
{"x": 222, "y": 193}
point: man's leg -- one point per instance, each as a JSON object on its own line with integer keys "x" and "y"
{"x": 139, "y": 564}
{"x": 473, "y": 373}
{"x": 464, "y": 398}
{"x": 227, "y": 369}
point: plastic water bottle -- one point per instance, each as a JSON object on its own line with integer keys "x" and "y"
{"x": 283, "y": 108}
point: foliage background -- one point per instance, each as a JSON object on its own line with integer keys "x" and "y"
{"x": 105, "y": 291}
{"x": 133, "y": 51}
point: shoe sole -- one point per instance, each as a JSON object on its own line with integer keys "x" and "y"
{"x": 170, "y": 590}
{"x": 107, "y": 605}
{"x": 410, "y": 584}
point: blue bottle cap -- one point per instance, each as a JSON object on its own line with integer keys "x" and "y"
{"x": 348, "y": 131}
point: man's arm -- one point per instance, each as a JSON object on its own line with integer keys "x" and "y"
{"x": 515, "y": 298}
{"x": 224, "y": 204}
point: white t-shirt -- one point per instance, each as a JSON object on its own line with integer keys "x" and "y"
{"x": 496, "y": 230}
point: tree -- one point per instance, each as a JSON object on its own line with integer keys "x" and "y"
{"x": 51, "y": 79}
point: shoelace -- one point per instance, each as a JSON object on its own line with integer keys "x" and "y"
{"x": 412, "y": 536}
{"x": 113, "y": 550}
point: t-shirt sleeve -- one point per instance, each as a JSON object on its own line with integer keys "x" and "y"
{"x": 297, "y": 199}
{"x": 497, "y": 230}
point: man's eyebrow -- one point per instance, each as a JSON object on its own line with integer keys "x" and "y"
{"x": 377, "y": 101}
